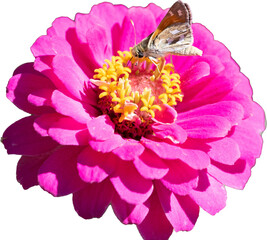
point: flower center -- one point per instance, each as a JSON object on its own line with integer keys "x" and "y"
{"x": 131, "y": 90}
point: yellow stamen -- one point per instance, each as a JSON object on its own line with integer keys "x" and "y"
{"x": 114, "y": 80}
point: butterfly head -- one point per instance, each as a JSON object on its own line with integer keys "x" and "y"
{"x": 137, "y": 51}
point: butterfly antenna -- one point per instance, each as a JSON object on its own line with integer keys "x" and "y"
{"x": 134, "y": 32}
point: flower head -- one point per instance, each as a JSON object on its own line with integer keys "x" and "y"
{"x": 113, "y": 130}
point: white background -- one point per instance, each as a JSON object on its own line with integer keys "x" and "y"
{"x": 35, "y": 214}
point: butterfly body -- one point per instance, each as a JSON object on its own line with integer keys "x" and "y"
{"x": 173, "y": 36}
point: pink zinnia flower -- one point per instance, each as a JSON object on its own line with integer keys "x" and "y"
{"x": 155, "y": 147}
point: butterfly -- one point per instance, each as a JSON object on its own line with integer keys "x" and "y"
{"x": 173, "y": 36}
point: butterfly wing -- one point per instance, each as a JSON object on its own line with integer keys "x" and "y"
{"x": 178, "y": 13}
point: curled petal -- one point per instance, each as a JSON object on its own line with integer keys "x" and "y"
{"x": 129, "y": 213}
{"x": 235, "y": 176}
{"x": 130, "y": 185}
{"x": 181, "y": 211}
{"x": 150, "y": 166}
{"x": 58, "y": 174}
{"x": 210, "y": 194}
{"x": 180, "y": 179}
{"x": 94, "y": 166}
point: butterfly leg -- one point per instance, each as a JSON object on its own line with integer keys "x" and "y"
{"x": 160, "y": 65}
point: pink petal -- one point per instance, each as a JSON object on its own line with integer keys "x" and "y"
{"x": 193, "y": 69}
{"x": 108, "y": 145}
{"x": 162, "y": 149}
{"x": 235, "y": 176}
{"x": 44, "y": 122}
{"x": 128, "y": 213}
{"x": 70, "y": 75}
{"x": 213, "y": 90}
{"x": 247, "y": 136}
{"x": 181, "y": 178}
{"x": 101, "y": 128}
{"x": 67, "y": 106}
{"x": 21, "y": 138}
{"x": 21, "y": 85}
{"x": 130, "y": 150}
{"x": 188, "y": 153}
{"x": 155, "y": 226}
{"x": 98, "y": 44}
{"x": 67, "y": 131}
{"x": 111, "y": 20}
{"x": 27, "y": 170}
{"x": 130, "y": 185}
{"x": 166, "y": 115}
{"x": 26, "y": 68}
{"x": 218, "y": 151}
{"x": 42, "y": 47}
{"x": 205, "y": 126}
{"x": 41, "y": 97}
{"x": 211, "y": 198}
{"x": 203, "y": 39}
{"x": 182, "y": 212}
{"x": 60, "y": 27}
{"x": 94, "y": 166}
{"x": 150, "y": 166}
{"x": 156, "y": 11}
{"x": 194, "y": 74}
{"x": 58, "y": 174}
{"x": 230, "y": 110}
{"x": 93, "y": 200}
{"x": 143, "y": 20}
{"x": 172, "y": 131}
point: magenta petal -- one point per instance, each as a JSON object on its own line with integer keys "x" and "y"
{"x": 108, "y": 145}
{"x": 235, "y": 176}
{"x": 44, "y": 122}
{"x": 58, "y": 174}
{"x": 101, "y": 128}
{"x": 180, "y": 179}
{"x": 155, "y": 226}
{"x": 211, "y": 198}
{"x": 162, "y": 149}
{"x": 130, "y": 185}
{"x": 67, "y": 131}
{"x": 21, "y": 85}
{"x": 41, "y": 97}
{"x": 181, "y": 211}
{"x": 70, "y": 75}
{"x": 166, "y": 115}
{"x": 187, "y": 153}
{"x": 67, "y": 106}
{"x": 130, "y": 150}
{"x": 21, "y": 138}
{"x": 27, "y": 170}
{"x": 247, "y": 136}
{"x": 98, "y": 44}
{"x": 230, "y": 110}
{"x": 143, "y": 20}
{"x": 128, "y": 213}
{"x": 171, "y": 131}
{"x": 93, "y": 200}
{"x": 225, "y": 151}
{"x": 94, "y": 166}
{"x": 150, "y": 166}
{"x": 207, "y": 126}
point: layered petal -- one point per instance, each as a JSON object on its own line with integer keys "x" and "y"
{"x": 93, "y": 200}
{"x": 130, "y": 185}
{"x": 58, "y": 175}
